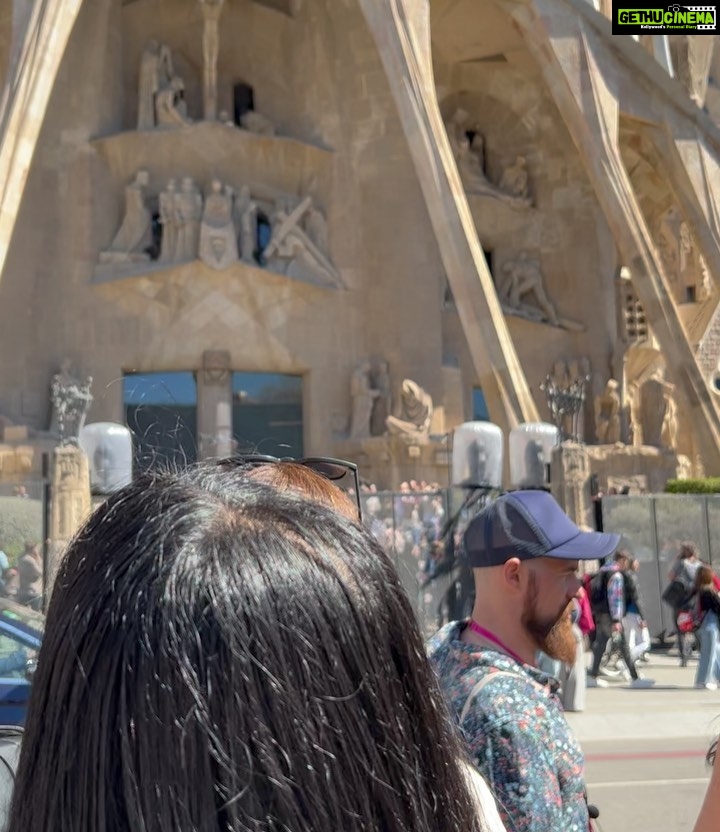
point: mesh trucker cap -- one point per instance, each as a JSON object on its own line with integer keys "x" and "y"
{"x": 530, "y": 524}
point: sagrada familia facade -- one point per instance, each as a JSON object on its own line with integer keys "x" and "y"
{"x": 347, "y": 226}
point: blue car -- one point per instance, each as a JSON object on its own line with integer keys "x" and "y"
{"x": 21, "y": 631}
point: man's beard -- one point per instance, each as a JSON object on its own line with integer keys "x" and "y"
{"x": 554, "y": 635}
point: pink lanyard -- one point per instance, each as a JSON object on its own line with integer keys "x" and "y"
{"x": 493, "y": 639}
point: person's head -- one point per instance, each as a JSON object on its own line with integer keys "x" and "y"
{"x": 635, "y": 565}
{"x": 704, "y": 578}
{"x": 524, "y": 551}
{"x": 220, "y": 655}
{"x": 32, "y": 549}
{"x": 688, "y": 551}
{"x": 622, "y": 559}
{"x": 299, "y": 479}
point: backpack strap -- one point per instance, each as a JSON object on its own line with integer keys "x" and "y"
{"x": 478, "y": 687}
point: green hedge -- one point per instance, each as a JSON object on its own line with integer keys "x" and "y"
{"x": 709, "y": 485}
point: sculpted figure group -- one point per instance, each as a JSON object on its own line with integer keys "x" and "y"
{"x": 161, "y": 90}
{"x": 372, "y": 402}
{"x": 221, "y": 228}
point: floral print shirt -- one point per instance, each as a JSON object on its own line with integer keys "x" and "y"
{"x": 517, "y": 734}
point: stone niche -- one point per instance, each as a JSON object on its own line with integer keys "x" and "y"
{"x": 642, "y": 470}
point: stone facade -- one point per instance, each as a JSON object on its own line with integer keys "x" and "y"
{"x": 390, "y": 270}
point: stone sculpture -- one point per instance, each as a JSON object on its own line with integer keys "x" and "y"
{"x": 211, "y": 10}
{"x": 189, "y": 203}
{"x": 218, "y": 243}
{"x": 522, "y": 278}
{"x": 170, "y": 105}
{"x": 684, "y": 266}
{"x": 670, "y": 422}
{"x": 514, "y": 179}
{"x": 134, "y": 238}
{"x": 363, "y": 397}
{"x": 156, "y": 73}
{"x": 468, "y": 148}
{"x": 316, "y": 228}
{"x": 246, "y": 212}
{"x": 257, "y": 123}
{"x": 652, "y": 406}
{"x": 71, "y": 400}
{"x": 169, "y": 221}
{"x": 382, "y": 406}
{"x": 607, "y": 414}
{"x": 292, "y": 252}
{"x": 413, "y": 423}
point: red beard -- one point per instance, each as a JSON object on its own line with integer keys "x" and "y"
{"x": 554, "y": 636}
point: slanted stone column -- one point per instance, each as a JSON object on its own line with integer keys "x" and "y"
{"x": 215, "y": 405}
{"x": 401, "y": 30}
{"x": 27, "y": 92}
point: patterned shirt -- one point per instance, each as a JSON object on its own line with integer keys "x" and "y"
{"x": 616, "y": 594}
{"x": 517, "y": 734}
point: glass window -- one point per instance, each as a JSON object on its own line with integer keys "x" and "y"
{"x": 480, "y": 411}
{"x": 161, "y": 412}
{"x": 267, "y": 413}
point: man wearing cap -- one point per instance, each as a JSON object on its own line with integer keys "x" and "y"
{"x": 524, "y": 552}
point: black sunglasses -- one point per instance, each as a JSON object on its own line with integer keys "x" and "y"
{"x": 328, "y": 467}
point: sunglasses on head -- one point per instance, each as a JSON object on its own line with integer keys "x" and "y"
{"x": 328, "y": 467}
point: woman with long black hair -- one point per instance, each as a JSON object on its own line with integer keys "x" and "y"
{"x": 221, "y": 657}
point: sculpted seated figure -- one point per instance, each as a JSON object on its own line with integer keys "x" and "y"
{"x": 413, "y": 424}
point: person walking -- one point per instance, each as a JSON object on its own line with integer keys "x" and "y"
{"x": 708, "y": 611}
{"x": 609, "y": 614}
{"x": 524, "y": 552}
{"x": 635, "y": 626}
{"x": 678, "y": 593}
{"x": 30, "y": 574}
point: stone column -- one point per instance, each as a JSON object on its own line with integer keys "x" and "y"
{"x": 570, "y": 482}
{"x": 215, "y": 406}
{"x": 70, "y": 504}
{"x": 401, "y": 30}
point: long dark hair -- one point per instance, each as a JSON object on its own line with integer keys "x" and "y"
{"x": 220, "y": 656}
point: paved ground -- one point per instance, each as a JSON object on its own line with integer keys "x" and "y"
{"x": 645, "y": 749}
